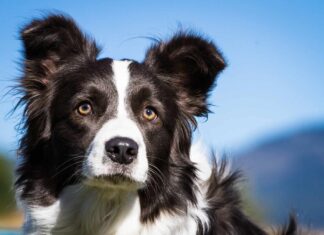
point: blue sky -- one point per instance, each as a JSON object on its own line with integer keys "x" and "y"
{"x": 274, "y": 82}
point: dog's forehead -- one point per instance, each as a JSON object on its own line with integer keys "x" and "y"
{"x": 129, "y": 77}
{"x": 118, "y": 80}
{"x": 121, "y": 72}
{"x": 130, "y": 71}
{"x": 103, "y": 73}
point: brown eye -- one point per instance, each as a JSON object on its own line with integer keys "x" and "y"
{"x": 84, "y": 108}
{"x": 149, "y": 114}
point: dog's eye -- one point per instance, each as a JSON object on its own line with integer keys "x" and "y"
{"x": 84, "y": 108}
{"x": 150, "y": 114}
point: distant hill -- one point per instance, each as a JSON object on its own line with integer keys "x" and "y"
{"x": 286, "y": 174}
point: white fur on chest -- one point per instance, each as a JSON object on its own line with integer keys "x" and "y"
{"x": 84, "y": 210}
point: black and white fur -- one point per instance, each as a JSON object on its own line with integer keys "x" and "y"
{"x": 68, "y": 184}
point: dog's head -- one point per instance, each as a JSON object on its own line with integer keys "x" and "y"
{"x": 108, "y": 122}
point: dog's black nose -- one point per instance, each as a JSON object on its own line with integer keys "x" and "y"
{"x": 121, "y": 150}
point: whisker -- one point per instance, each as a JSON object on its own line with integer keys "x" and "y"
{"x": 66, "y": 167}
{"x": 72, "y": 157}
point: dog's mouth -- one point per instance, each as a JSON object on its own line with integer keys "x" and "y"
{"x": 117, "y": 181}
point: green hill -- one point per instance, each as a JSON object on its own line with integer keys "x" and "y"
{"x": 7, "y": 202}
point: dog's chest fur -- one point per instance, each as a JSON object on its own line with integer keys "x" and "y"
{"x": 85, "y": 211}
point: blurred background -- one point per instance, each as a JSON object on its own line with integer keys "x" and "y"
{"x": 268, "y": 112}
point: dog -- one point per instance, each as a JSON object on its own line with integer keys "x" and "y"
{"x": 107, "y": 145}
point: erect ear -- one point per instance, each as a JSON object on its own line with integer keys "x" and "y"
{"x": 50, "y": 42}
{"x": 48, "y": 45}
{"x": 190, "y": 64}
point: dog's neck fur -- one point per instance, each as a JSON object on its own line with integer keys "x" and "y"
{"x": 83, "y": 210}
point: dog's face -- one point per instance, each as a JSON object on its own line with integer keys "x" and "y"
{"x": 108, "y": 122}
{"x": 116, "y": 116}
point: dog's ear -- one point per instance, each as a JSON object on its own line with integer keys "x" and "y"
{"x": 49, "y": 44}
{"x": 190, "y": 64}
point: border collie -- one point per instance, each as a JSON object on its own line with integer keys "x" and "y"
{"x": 107, "y": 143}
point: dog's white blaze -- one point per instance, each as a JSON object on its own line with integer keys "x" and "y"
{"x": 121, "y": 79}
